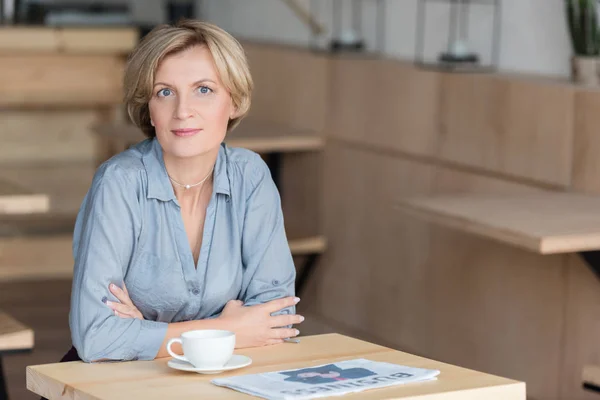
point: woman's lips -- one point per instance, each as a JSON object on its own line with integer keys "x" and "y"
{"x": 185, "y": 132}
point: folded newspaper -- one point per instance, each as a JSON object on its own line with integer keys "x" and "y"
{"x": 326, "y": 380}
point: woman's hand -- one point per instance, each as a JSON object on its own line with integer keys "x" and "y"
{"x": 126, "y": 308}
{"x": 254, "y": 326}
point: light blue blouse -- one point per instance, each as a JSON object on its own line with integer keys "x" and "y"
{"x": 129, "y": 229}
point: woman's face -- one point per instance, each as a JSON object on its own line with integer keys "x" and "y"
{"x": 190, "y": 107}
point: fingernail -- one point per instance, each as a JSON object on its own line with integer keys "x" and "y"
{"x": 297, "y": 332}
{"x": 104, "y": 299}
{"x": 109, "y": 303}
{"x": 296, "y": 300}
{"x": 301, "y": 318}
{"x": 113, "y": 286}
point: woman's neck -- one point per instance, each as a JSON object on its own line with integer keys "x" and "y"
{"x": 193, "y": 171}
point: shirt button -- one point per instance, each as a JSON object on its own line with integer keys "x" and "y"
{"x": 196, "y": 292}
{"x": 275, "y": 282}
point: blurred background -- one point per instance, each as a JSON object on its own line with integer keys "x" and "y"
{"x": 436, "y": 161}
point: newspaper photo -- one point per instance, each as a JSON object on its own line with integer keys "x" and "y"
{"x": 326, "y": 380}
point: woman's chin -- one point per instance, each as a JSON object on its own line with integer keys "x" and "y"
{"x": 188, "y": 151}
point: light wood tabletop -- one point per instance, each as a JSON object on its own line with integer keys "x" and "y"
{"x": 545, "y": 223}
{"x": 15, "y": 199}
{"x": 155, "y": 380}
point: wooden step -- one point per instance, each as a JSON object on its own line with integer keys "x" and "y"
{"x": 14, "y": 335}
{"x": 15, "y": 199}
{"x": 37, "y": 257}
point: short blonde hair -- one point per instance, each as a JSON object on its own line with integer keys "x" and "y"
{"x": 164, "y": 40}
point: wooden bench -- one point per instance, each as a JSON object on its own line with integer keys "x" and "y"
{"x": 14, "y": 337}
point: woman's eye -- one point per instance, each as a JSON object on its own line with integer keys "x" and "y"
{"x": 164, "y": 92}
{"x": 204, "y": 89}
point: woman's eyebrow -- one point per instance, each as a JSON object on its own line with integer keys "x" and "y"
{"x": 193, "y": 84}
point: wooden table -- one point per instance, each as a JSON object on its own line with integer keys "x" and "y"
{"x": 154, "y": 380}
{"x": 545, "y": 223}
{"x": 18, "y": 200}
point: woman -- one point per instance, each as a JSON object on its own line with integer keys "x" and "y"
{"x": 181, "y": 232}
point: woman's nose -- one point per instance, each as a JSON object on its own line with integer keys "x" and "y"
{"x": 184, "y": 109}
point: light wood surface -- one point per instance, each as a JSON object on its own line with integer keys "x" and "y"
{"x": 23, "y": 40}
{"x": 64, "y": 135}
{"x": 546, "y": 223}
{"x": 405, "y": 116}
{"x": 291, "y": 85}
{"x": 36, "y": 257}
{"x": 13, "y": 334}
{"x": 17, "y": 200}
{"x": 311, "y": 245}
{"x": 154, "y": 380}
{"x": 519, "y": 128}
{"x": 261, "y": 137}
{"x": 60, "y": 81}
{"x": 586, "y": 147}
{"x": 591, "y": 374}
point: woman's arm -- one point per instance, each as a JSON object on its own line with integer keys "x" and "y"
{"x": 269, "y": 268}
{"x": 106, "y": 232}
{"x": 253, "y": 326}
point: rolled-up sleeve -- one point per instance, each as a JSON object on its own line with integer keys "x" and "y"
{"x": 266, "y": 255}
{"x": 108, "y": 223}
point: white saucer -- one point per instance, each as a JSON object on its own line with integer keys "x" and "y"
{"x": 236, "y": 361}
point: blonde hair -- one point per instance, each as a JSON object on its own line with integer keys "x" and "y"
{"x": 164, "y": 40}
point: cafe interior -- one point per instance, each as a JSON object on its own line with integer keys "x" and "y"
{"x": 437, "y": 171}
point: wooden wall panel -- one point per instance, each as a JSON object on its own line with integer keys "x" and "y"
{"x": 512, "y": 126}
{"x": 384, "y": 103}
{"x": 348, "y": 87}
{"x": 432, "y": 291}
{"x": 291, "y": 85}
{"x": 46, "y": 136}
{"x": 582, "y": 329}
{"x": 586, "y": 160}
{"x": 497, "y": 309}
{"x": 359, "y": 192}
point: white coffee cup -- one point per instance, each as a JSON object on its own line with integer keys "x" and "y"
{"x": 210, "y": 348}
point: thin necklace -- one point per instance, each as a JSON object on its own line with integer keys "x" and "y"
{"x": 195, "y": 184}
